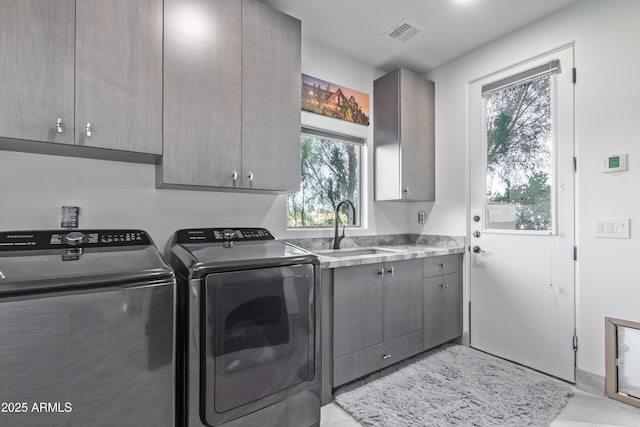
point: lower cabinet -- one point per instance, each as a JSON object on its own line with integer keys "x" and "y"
{"x": 442, "y": 300}
{"x": 377, "y": 317}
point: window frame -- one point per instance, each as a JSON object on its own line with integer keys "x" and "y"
{"x": 345, "y": 139}
{"x": 549, "y": 70}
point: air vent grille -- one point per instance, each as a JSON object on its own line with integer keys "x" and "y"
{"x": 402, "y": 31}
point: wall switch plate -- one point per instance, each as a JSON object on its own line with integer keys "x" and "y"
{"x": 614, "y": 163}
{"x": 615, "y": 228}
{"x": 70, "y": 216}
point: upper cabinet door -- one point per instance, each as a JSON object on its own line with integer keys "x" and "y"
{"x": 202, "y": 93}
{"x": 36, "y": 69}
{"x": 119, "y": 74}
{"x": 404, "y": 137}
{"x": 417, "y": 136}
{"x": 271, "y": 84}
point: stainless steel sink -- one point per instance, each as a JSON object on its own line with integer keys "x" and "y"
{"x": 347, "y": 253}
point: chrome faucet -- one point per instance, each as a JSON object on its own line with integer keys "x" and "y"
{"x": 337, "y": 239}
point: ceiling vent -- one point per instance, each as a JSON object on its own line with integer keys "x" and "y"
{"x": 402, "y": 32}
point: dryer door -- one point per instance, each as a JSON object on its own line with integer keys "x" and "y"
{"x": 258, "y": 342}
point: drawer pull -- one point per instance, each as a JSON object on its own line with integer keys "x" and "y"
{"x": 443, "y": 265}
{"x": 386, "y": 356}
{"x": 444, "y": 285}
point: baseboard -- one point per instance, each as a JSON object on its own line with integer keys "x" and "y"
{"x": 589, "y": 382}
{"x": 463, "y": 339}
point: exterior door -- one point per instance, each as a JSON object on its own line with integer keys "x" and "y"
{"x": 522, "y": 214}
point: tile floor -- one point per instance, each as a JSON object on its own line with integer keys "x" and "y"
{"x": 582, "y": 410}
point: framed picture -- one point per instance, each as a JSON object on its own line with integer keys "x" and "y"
{"x": 332, "y": 100}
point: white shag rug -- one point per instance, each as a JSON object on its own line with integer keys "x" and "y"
{"x": 454, "y": 385}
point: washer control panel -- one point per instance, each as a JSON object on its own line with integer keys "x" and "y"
{"x": 57, "y": 239}
{"x": 213, "y": 235}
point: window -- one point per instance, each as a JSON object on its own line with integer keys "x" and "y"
{"x": 519, "y": 138}
{"x": 331, "y": 165}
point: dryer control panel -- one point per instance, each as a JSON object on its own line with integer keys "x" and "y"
{"x": 60, "y": 239}
{"x": 213, "y": 235}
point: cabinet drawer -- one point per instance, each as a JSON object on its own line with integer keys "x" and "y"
{"x": 439, "y": 265}
{"x": 355, "y": 365}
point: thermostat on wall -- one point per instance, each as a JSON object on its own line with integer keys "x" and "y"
{"x": 614, "y": 163}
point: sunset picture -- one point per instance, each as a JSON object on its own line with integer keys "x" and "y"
{"x": 332, "y": 100}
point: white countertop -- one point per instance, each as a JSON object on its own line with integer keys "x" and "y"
{"x": 391, "y": 253}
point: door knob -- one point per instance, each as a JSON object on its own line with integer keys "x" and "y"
{"x": 478, "y": 250}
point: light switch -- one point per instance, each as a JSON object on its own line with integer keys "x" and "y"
{"x": 615, "y": 228}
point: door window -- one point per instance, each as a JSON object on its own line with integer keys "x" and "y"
{"x": 519, "y": 154}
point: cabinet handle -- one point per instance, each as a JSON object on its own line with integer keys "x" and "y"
{"x": 87, "y": 129}
{"x": 444, "y": 285}
{"x": 234, "y": 175}
{"x": 250, "y": 176}
{"x": 381, "y": 272}
{"x": 406, "y": 191}
{"x": 390, "y": 271}
{"x": 60, "y": 126}
{"x": 386, "y": 356}
{"x": 443, "y": 265}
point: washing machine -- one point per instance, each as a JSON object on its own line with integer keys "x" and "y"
{"x": 87, "y": 330}
{"x": 248, "y": 329}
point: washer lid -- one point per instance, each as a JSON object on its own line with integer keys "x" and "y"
{"x": 34, "y": 261}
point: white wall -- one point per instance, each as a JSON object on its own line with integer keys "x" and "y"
{"x": 116, "y": 194}
{"x": 607, "y": 109}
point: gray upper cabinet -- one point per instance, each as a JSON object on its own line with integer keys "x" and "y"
{"x": 231, "y": 96}
{"x": 119, "y": 74}
{"x": 404, "y": 136}
{"x": 68, "y": 66}
{"x": 202, "y": 94}
{"x": 271, "y": 58}
{"x": 37, "y": 70}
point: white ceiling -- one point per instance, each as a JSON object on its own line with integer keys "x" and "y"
{"x": 449, "y": 28}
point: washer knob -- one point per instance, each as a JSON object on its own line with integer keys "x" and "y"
{"x": 74, "y": 238}
{"x": 229, "y": 234}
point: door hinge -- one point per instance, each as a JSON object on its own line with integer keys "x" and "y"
{"x": 575, "y": 343}
{"x": 575, "y": 164}
{"x": 574, "y": 77}
{"x": 575, "y": 253}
